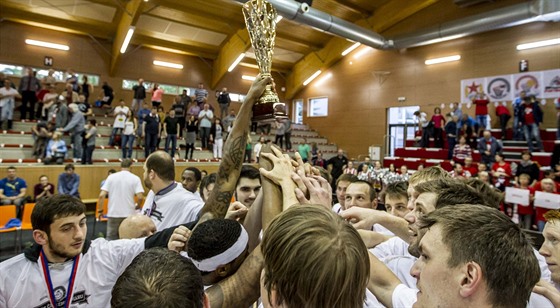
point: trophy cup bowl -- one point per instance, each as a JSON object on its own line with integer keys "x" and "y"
{"x": 260, "y": 19}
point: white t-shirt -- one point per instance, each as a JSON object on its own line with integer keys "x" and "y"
{"x": 22, "y": 283}
{"x": 122, "y": 186}
{"x": 4, "y": 92}
{"x": 382, "y": 230}
{"x": 337, "y": 208}
{"x": 120, "y": 118}
{"x": 174, "y": 207}
{"x": 394, "y": 246}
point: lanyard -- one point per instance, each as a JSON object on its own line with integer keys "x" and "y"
{"x": 48, "y": 281}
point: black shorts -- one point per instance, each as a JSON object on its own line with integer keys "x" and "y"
{"x": 156, "y": 104}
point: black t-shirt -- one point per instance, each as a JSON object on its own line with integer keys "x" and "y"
{"x": 337, "y": 163}
{"x": 139, "y": 92}
{"x": 179, "y": 110}
{"x": 107, "y": 90}
{"x": 171, "y": 125}
{"x": 152, "y": 124}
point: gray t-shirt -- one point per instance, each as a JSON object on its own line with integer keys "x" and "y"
{"x": 93, "y": 133}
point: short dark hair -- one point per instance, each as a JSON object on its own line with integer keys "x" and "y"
{"x": 162, "y": 164}
{"x": 93, "y": 122}
{"x": 69, "y": 167}
{"x": 159, "y": 277}
{"x": 490, "y": 194}
{"x": 126, "y": 163}
{"x": 12, "y": 168}
{"x": 47, "y": 210}
{"x": 197, "y": 173}
{"x": 250, "y": 172}
{"x": 450, "y": 192}
{"x": 212, "y": 237}
{"x": 346, "y": 177}
{"x": 207, "y": 180}
{"x": 495, "y": 243}
{"x": 396, "y": 190}
{"x": 372, "y": 194}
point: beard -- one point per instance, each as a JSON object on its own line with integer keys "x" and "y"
{"x": 148, "y": 183}
{"x": 58, "y": 250}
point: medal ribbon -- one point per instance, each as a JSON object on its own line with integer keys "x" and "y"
{"x": 48, "y": 281}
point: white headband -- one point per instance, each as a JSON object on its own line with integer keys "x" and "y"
{"x": 211, "y": 264}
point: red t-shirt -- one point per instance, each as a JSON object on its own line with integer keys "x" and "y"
{"x": 503, "y": 168}
{"x": 481, "y": 106}
{"x": 526, "y": 209}
{"x": 41, "y": 94}
{"x": 437, "y": 118}
{"x": 539, "y": 210}
{"x": 501, "y": 109}
{"x": 529, "y": 116}
{"x": 473, "y": 170}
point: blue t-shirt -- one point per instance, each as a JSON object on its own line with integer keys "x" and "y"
{"x": 12, "y": 188}
{"x": 142, "y": 113}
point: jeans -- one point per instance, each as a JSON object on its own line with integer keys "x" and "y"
{"x": 127, "y": 143}
{"x": 540, "y": 225}
{"x": 218, "y": 146}
{"x": 526, "y": 221}
{"x": 451, "y": 141}
{"x": 77, "y": 144}
{"x": 173, "y": 140}
{"x": 88, "y": 155}
{"x": 438, "y": 137}
{"x": 532, "y": 131}
{"x": 189, "y": 146}
{"x": 113, "y": 225}
{"x": 31, "y": 98}
{"x": 504, "y": 118}
{"x": 481, "y": 119}
{"x": 223, "y": 110}
{"x": 517, "y": 134}
{"x": 150, "y": 140}
{"x": 204, "y": 135}
{"x": 279, "y": 140}
{"x": 287, "y": 137}
{"x": 114, "y": 132}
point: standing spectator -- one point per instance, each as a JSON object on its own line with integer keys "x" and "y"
{"x": 350, "y": 169}
{"x": 488, "y": 147}
{"x": 217, "y": 138}
{"x": 139, "y": 95}
{"x": 142, "y": 113}
{"x": 425, "y": 126}
{"x": 439, "y": 123}
{"x": 481, "y": 111}
{"x": 528, "y": 167}
{"x": 525, "y": 212}
{"x": 75, "y": 127}
{"x": 462, "y": 150}
{"x": 469, "y": 128}
{"x": 60, "y": 113}
{"x": 185, "y": 98}
{"x": 49, "y": 100}
{"x": 180, "y": 111}
{"x": 501, "y": 172}
{"x": 70, "y": 95}
{"x": 530, "y": 118}
{"x": 43, "y": 189}
{"x": 84, "y": 107}
{"x": 224, "y": 101}
{"x": 194, "y": 110}
{"x": 8, "y": 97}
{"x": 56, "y": 150}
{"x": 320, "y": 161}
{"x": 456, "y": 112}
{"x": 50, "y": 79}
{"x": 190, "y": 139}
{"x": 517, "y": 111}
{"x": 122, "y": 186}
{"x": 120, "y": 113}
{"x": 205, "y": 118}
{"x": 228, "y": 122}
{"x": 40, "y": 98}
{"x": 89, "y": 142}
{"x": 86, "y": 89}
{"x": 108, "y": 96}
{"x": 503, "y": 114}
{"x": 150, "y": 131}
{"x": 72, "y": 79}
{"x": 280, "y": 130}
{"x": 258, "y": 147}
{"x": 161, "y": 114}
{"x": 200, "y": 95}
{"x": 314, "y": 152}
{"x": 304, "y": 150}
{"x": 128, "y": 135}
{"x": 451, "y": 133}
{"x": 13, "y": 190}
{"x": 171, "y": 128}
{"x": 288, "y": 133}
{"x": 336, "y": 163}
{"x": 29, "y": 85}
{"x": 248, "y": 150}
{"x": 157, "y": 95}
{"x": 42, "y": 132}
{"x": 69, "y": 182}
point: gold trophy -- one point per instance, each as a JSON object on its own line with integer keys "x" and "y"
{"x": 260, "y": 19}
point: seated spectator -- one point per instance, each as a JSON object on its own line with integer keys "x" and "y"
{"x": 488, "y": 147}
{"x": 13, "y": 190}
{"x": 43, "y": 189}
{"x": 468, "y": 127}
{"x": 69, "y": 182}
{"x": 391, "y": 176}
{"x": 459, "y": 172}
{"x": 320, "y": 161}
{"x": 484, "y": 177}
{"x": 529, "y": 167}
{"x": 548, "y": 174}
{"x": 547, "y": 185}
{"x": 404, "y": 176}
{"x": 42, "y": 132}
{"x": 350, "y": 169}
{"x": 462, "y": 150}
{"x": 470, "y": 167}
{"x": 88, "y": 142}
{"x": 364, "y": 174}
{"x": 501, "y": 172}
{"x": 56, "y": 150}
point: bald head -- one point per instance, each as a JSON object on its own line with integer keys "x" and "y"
{"x": 136, "y": 226}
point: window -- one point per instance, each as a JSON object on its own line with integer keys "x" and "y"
{"x": 127, "y": 84}
{"x": 298, "y": 111}
{"x": 318, "y": 107}
{"x": 19, "y": 71}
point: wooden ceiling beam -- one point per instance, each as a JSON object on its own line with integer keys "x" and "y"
{"x": 236, "y": 44}
{"x": 204, "y": 22}
{"x": 188, "y": 48}
{"x": 130, "y": 16}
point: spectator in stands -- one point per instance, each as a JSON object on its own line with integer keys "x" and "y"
{"x": 89, "y": 142}
{"x": 304, "y": 150}
{"x": 42, "y": 132}
{"x": 548, "y": 186}
{"x": 139, "y": 95}
{"x": 502, "y": 112}
{"x": 150, "y": 130}
{"x": 205, "y": 118}
{"x": 142, "y": 114}
{"x": 224, "y": 101}
{"x": 136, "y": 226}
{"x": 396, "y": 199}
{"x": 377, "y": 173}
{"x": 159, "y": 278}
{"x": 458, "y": 172}
{"x": 75, "y": 127}
{"x": 59, "y": 113}
{"x": 350, "y": 169}
{"x": 69, "y": 182}
{"x": 128, "y": 135}
{"x": 481, "y": 102}
{"x": 529, "y": 167}
{"x": 217, "y": 138}
{"x": 391, "y": 175}
{"x": 200, "y": 95}
{"x": 470, "y": 167}
{"x": 425, "y": 126}
{"x": 56, "y": 150}
{"x": 120, "y": 112}
{"x": 86, "y": 88}
{"x": 320, "y": 161}
{"x": 108, "y": 96}
{"x": 364, "y": 174}
{"x": 484, "y": 176}
{"x": 314, "y": 152}
{"x": 29, "y": 86}
{"x": 84, "y": 107}
{"x": 43, "y": 189}
{"x": 517, "y": 112}
{"x": 439, "y": 123}
{"x": 207, "y": 185}
{"x": 190, "y": 179}
{"x": 404, "y": 176}
{"x": 488, "y": 146}
{"x": 228, "y": 121}
{"x": 257, "y": 148}
{"x": 122, "y": 186}
{"x": 190, "y": 139}
{"x": 194, "y": 109}
{"x": 280, "y": 130}
{"x": 248, "y": 150}
{"x": 157, "y": 95}
{"x": 171, "y": 128}
{"x": 468, "y": 128}
{"x": 525, "y": 212}
{"x": 8, "y": 97}
{"x": 288, "y": 133}
{"x": 180, "y": 111}
{"x": 50, "y": 79}
{"x": 13, "y": 191}
{"x": 530, "y": 118}
{"x": 501, "y": 172}
{"x": 341, "y": 185}
{"x": 70, "y": 95}
{"x": 451, "y": 133}
{"x": 49, "y": 100}
{"x": 336, "y": 163}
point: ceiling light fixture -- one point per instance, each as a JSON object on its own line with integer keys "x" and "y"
{"x": 538, "y": 44}
{"x": 278, "y": 18}
{"x": 351, "y": 48}
{"x": 310, "y": 79}
{"x": 46, "y": 44}
{"x": 127, "y": 39}
{"x": 442, "y": 60}
{"x": 234, "y": 64}
{"x": 247, "y": 77}
{"x": 168, "y": 64}
{"x": 323, "y": 79}
{"x": 361, "y": 52}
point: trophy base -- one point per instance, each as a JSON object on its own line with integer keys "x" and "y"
{"x": 269, "y": 108}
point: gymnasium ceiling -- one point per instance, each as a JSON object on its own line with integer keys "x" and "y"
{"x": 215, "y": 30}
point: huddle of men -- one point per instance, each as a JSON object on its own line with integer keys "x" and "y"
{"x": 440, "y": 242}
